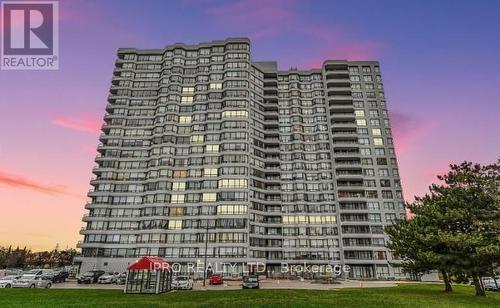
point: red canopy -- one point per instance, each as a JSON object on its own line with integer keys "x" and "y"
{"x": 150, "y": 263}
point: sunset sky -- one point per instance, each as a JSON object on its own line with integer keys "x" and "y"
{"x": 439, "y": 60}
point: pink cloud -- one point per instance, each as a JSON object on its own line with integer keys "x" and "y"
{"x": 407, "y": 130}
{"x": 22, "y": 182}
{"x": 87, "y": 124}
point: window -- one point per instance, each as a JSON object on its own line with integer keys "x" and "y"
{"x": 373, "y": 206}
{"x": 212, "y": 148}
{"x": 180, "y": 174}
{"x": 359, "y": 113}
{"x": 175, "y": 224}
{"x": 185, "y": 119}
{"x": 386, "y": 194}
{"x": 210, "y": 172}
{"x": 216, "y": 86}
{"x": 187, "y": 90}
{"x": 383, "y": 172}
{"x": 233, "y": 183}
{"x": 389, "y": 206}
{"x": 231, "y": 209}
{"x": 186, "y": 99}
{"x": 390, "y": 217}
{"x": 209, "y": 197}
{"x": 176, "y": 211}
{"x": 365, "y": 151}
{"x": 197, "y": 138}
{"x": 235, "y": 114}
{"x": 378, "y": 141}
{"x": 177, "y": 199}
{"x": 178, "y": 186}
{"x": 376, "y": 132}
{"x": 301, "y": 219}
{"x": 361, "y": 122}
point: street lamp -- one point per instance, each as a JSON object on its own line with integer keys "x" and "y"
{"x": 205, "y": 261}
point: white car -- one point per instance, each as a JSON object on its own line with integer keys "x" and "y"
{"x": 182, "y": 283}
{"x": 108, "y": 278}
{"x": 7, "y": 281}
{"x": 32, "y": 281}
{"x": 490, "y": 285}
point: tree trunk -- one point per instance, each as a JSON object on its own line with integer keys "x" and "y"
{"x": 447, "y": 281}
{"x": 478, "y": 285}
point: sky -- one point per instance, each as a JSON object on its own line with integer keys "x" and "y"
{"x": 439, "y": 63}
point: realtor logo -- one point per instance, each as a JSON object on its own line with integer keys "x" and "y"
{"x": 30, "y": 35}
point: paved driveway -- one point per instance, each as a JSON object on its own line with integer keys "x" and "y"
{"x": 264, "y": 284}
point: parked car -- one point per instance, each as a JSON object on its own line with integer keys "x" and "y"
{"x": 122, "y": 278}
{"x": 32, "y": 281}
{"x": 216, "y": 279}
{"x": 182, "y": 283}
{"x": 89, "y": 277}
{"x": 108, "y": 278}
{"x": 6, "y": 281}
{"x": 57, "y": 276}
{"x": 250, "y": 282}
{"x": 490, "y": 285}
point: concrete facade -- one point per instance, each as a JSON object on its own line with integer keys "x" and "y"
{"x": 274, "y": 166}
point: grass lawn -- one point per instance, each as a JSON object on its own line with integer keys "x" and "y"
{"x": 405, "y": 295}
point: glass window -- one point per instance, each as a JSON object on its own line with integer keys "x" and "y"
{"x": 235, "y": 114}
{"x": 186, "y": 99}
{"x": 185, "y": 119}
{"x": 233, "y": 183}
{"x": 210, "y": 172}
{"x": 378, "y": 141}
{"x": 212, "y": 148}
{"x": 359, "y": 113}
{"x": 197, "y": 138}
{"x": 177, "y": 198}
{"x": 209, "y": 197}
{"x": 215, "y": 85}
{"x": 175, "y": 224}
{"x": 187, "y": 90}
{"x": 178, "y": 186}
{"x": 361, "y": 122}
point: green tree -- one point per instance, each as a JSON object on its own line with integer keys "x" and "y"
{"x": 456, "y": 228}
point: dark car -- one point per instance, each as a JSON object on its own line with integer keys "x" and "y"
{"x": 90, "y": 276}
{"x": 57, "y": 276}
{"x": 216, "y": 279}
{"x": 250, "y": 282}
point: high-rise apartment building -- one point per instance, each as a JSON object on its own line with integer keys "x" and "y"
{"x": 206, "y": 153}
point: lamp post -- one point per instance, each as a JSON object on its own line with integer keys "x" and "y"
{"x": 205, "y": 260}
